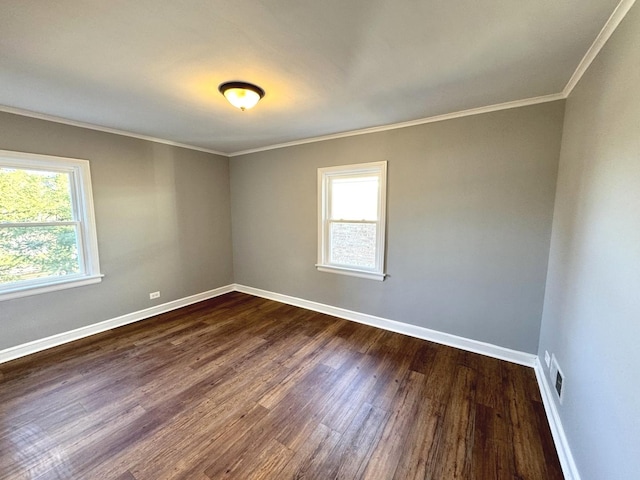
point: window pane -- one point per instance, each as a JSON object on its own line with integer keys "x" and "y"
{"x": 353, "y": 244}
{"x": 34, "y": 196}
{"x": 354, "y": 198}
{"x": 28, "y": 253}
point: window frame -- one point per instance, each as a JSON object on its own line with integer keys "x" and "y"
{"x": 84, "y": 217}
{"x": 325, "y": 174}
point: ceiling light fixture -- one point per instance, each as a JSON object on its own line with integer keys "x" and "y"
{"x": 241, "y": 95}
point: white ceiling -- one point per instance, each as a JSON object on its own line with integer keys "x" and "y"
{"x": 152, "y": 67}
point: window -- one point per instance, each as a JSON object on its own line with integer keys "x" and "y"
{"x": 47, "y": 228}
{"x": 351, "y": 219}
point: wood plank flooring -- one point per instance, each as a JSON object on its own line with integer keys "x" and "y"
{"x": 240, "y": 387}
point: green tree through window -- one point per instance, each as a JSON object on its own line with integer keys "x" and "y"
{"x": 47, "y": 230}
{"x": 31, "y": 245}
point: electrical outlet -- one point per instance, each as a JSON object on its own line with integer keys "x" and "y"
{"x": 153, "y": 295}
{"x": 557, "y": 377}
{"x": 547, "y": 359}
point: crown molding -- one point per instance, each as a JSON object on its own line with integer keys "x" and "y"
{"x": 364, "y": 131}
{"x": 412, "y": 123}
{"x": 91, "y": 126}
{"x": 609, "y": 27}
{"x": 607, "y": 30}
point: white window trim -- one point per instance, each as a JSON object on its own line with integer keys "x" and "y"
{"x": 324, "y": 174}
{"x": 82, "y": 196}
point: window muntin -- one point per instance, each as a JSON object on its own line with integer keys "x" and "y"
{"x": 351, "y": 207}
{"x": 47, "y": 227}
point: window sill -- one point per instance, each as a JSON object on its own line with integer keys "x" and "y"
{"x": 24, "y": 291}
{"x": 352, "y": 272}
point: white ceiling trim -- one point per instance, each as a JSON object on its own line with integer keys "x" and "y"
{"x": 421, "y": 121}
{"x": 607, "y": 30}
{"x": 99, "y": 128}
{"x": 612, "y": 23}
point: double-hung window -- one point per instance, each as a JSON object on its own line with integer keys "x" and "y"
{"x": 47, "y": 227}
{"x": 351, "y": 219}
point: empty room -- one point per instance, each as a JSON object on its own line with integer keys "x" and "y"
{"x": 383, "y": 240}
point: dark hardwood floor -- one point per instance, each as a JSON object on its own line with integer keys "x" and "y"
{"x": 245, "y": 388}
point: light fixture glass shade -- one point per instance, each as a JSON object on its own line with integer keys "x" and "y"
{"x": 241, "y": 95}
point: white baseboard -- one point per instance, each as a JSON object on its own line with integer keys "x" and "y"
{"x": 462, "y": 343}
{"x": 522, "y": 358}
{"x": 567, "y": 462}
{"x": 474, "y": 346}
{"x": 82, "y": 332}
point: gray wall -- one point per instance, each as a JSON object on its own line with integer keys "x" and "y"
{"x": 591, "y": 317}
{"x": 162, "y": 216}
{"x": 470, "y": 204}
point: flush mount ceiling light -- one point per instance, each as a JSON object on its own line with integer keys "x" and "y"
{"x": 241, "y": 95}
